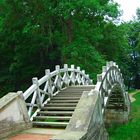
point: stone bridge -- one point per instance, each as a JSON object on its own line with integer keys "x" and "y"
{"x": 67, "y": 99}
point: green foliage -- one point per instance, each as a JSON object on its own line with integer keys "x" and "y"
{"x": 84, "y": 55}
{"x": 133, "y": 33}
{"x": 38, "y": 34}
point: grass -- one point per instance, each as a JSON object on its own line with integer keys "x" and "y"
{"x": 131, "y": 130}
{"x": 132, "y": 90}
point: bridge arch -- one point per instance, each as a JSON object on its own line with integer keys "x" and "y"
{"x": 114, "y": 99}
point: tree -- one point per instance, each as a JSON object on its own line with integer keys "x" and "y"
{"x": 35, "y": 34}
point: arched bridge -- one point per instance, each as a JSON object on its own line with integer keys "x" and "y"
{"x": 67, "y": 98}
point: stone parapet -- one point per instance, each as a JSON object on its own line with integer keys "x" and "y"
{"x": 13, "y": 114}
{"x": 87, "y": 120}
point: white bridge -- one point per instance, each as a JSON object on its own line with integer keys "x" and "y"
{"x": 67, "y": 98}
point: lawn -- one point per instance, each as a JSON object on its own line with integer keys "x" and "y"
{"x": 131, "y": 130}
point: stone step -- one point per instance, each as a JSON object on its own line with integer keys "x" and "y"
{"x": 80, "y": 87}
{"x": 60, "y": 105}
{"x": 66, "y": 118}
{"x": 71, "y": 92}
{"x": 53, "y": 124}
{"x": 117, "y": 104}
{"x": 65, "y": 98}
{"x": 116, "y": 101}
{"x": 68, "y": 95}
{"x": 58, "y": 108}
{"x": 116, "y": 96}
{"x": 64, "y": 101}
{"x": 115, "y": 107}
{"x": 51, "y": 113}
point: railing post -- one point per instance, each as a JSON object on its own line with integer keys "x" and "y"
{"x": 73, "y": 75}
{"x": 78, "y": 77}
{"x": 108, "y": 65}
{"x": 104, "y": 70}
{"x": 91, "y": 82}
{"x": 35, "y": 81}
{"x": 87, "y": 80}
{"x": 98, "y": 85}
{"x": 83, "y": 77}
{"x": 50, "y": 91}
{"x": 58, "y": 82}
{"x": 66, "y": 75}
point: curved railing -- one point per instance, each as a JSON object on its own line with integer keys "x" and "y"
{"x": 110, "y": 76}
{"x": 43, "y": 89}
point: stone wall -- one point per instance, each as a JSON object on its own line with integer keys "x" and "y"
{"x": 87, "y": 121}
{"x": 115, "y": 117}
{"x": 13, "y": 114}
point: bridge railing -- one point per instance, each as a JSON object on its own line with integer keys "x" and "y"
{"x": 110, "y": 76}
{"x": 43, "y": 89}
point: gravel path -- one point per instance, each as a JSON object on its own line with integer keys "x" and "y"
{"x": 132, "y": 99}
{"x": 30, "y": 137}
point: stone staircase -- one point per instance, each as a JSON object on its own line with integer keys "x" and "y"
{"x": 59, "y": 110}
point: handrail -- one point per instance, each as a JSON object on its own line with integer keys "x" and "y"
{"x": 110, "y": 76}
{"x": 49, "y": 85}
{"x": 43, "y": 89}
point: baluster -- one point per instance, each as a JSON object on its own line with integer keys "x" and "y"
{"x": 110, "y": 78}
{"x": 87, "y": 79}
{"x": 35, "y": 81}
{"x": 115, "y": 72}
{"x": 83, "y": 77}
{"x": 99, "y": 77}
{"x": 117, "y": 76}
{"x": 108, "y": 65}
{"x": 114, "y": 63}
{"x": 50, "y": 90}
{"x": 91, "y": 82}
{"x": 111, "y": 63}
{"x": 66, "y": 75}
{"x": 105, "y": 87}
{"x": 58, "y": 82}
{"x": 78, "y": 77}
{"x": 73, "y": 75}
{"x": 99, "y": 88}
{"x": 112, "y": 75}
{"x": 46, "y": 84}
{"x": 104, "y": 70}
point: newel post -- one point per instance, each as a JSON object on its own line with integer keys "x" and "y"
{"x": 58, "y": 82}
{"x": 50, "y": 91}
{"x": 66, "y": 79}
{"x": 35, "y": 81}
{"x": 83, "y": 77}
{"x": 73, "y": 75}
{"x": 78, "y": 77}
{"x": 99, "y": 88}
{"x": 87, "y": 80}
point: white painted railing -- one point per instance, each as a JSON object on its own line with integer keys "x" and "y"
{"x": 110, "y": 76}
{"x": 43, "y": 89}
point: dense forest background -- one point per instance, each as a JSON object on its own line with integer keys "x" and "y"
{"x": 38, "y": 34}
